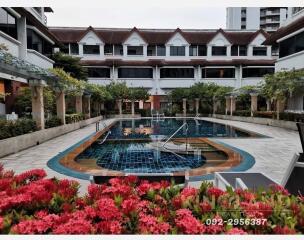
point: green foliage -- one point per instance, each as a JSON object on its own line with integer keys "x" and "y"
{"x": 23, "y": 101}
{"x": 72, "y": 118}
{"x": 52, "y": 122}
{"x": 137, "y": 94}
{"x": 178, "y": 94}
{"x": 281, "y": 85}
{"x": 70, "y": 65}
{"x": 14, "y": 128}
{"x": 67, "y": 83}
{"x": 118, "y": 90}
{"x": 99, "y": 93}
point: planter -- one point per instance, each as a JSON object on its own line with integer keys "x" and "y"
{"x": 18, "y": 143}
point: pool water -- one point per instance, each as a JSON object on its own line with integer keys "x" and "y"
{"x": 139, "y": 157}
{"x": 149, "y": 129}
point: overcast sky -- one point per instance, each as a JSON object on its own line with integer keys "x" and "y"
{"x": 166, "y": 15}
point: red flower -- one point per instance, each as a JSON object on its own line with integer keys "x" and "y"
{"x": 283, "y": 230}
{"x": 129, "y": 205}
{"x": 215, "y": 228}
{"x": 75, "y": 226}
{"x": 187, "y": 223}
{"x": 29, "y": 176}
{"x": 150, "y": 225}
{"x": 1, "y": 223}
{"x": 213, "y": 191}
{"x": 205, "y": 207}
{"x": 279, "y": 189}
{"x": 109, "y": 227}
{"x": 107, "y": 209}
{"x": 236, "y": 231}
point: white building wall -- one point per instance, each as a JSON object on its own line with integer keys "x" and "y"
{"x": 233, "y": 18}
{"x": 252, "y": 18}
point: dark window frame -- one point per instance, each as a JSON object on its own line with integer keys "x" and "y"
{"x": 291, "y": 45}
{"x": 93, "y": 51}
{"x": 74, "y": 51}
{"x": 7, "y": 29}
{"x": 256, "y": 51}
{"x": 253, "y": 72}
{"x": 93, "y": 72}
{"x": 134, "y": 71}
{"x": 218, "y": 51}
{"x": 137, "y": 53}
{"x": 178, "y": 51}
{"x": 206, "y": 72}
{"x": 173, "y": 73}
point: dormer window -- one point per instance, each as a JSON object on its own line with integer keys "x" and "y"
{"x": 135, "y": 50}
{"x": 219, "y": 51}
{"x": 91, "y": 49}
{"x": 198, "y": 50}
{"x": 259, "y": 51}
{"x": 156, "y": 50}
{"x": 177, "y": 51}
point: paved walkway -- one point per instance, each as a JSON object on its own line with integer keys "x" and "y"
{"x": 272, "y": 154}
{"x": 38, "y": 156}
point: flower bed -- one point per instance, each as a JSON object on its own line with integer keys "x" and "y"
{"x": 31, "y": 204}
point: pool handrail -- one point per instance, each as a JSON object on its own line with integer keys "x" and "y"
{"x": 168, "y": 139}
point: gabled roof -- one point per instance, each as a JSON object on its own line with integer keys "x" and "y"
{"x": 90, "y": 29}
{"x": 175, "y": 32}
{"x": 285, "y": 30}
{"x": 260, "y": 31}
{"x": 223, "y": 33}
{"x": 155, "y": 36}
{"x": 135, "y": 30}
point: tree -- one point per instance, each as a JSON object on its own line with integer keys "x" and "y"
{"x": 282, "y": 85}
{"x": 178, "y": 94}
{"x": 118, "y": 90}
{"x": 23, "y": 101}
{"x": 137, "y": 94}
{"x": 71, "y": 65}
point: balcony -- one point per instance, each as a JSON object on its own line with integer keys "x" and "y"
{"x": 38, "y": 59}
{"x": 11, "y": 43}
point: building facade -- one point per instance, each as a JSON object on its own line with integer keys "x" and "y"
{"x": 163, "y": 59}
{"x": 290, "y": 40}
{"x": 24, "y": 34}
{"x": 266, "y": 18}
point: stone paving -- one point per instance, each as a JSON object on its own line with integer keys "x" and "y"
{"x": 272, "y": 154}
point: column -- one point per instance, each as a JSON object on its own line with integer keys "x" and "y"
{"x": 233, "y": 101}
{"x": 228, "y": 105}
{"x": 60, "y": 106}
{"x": 132, "y": 108}
{"x": 184, "y": 106}
{"x": 78, "y": 102}
{"x": 268, "y": 103}
{"x": 119, "y": 104}
{"x": 280, "y": 108}
{"x": 214, "y": 105}
{"x": 254, "y": 103}
{"x": 37, "y": 102}
{"x": 196, "y": 105}
{"x": 22, "y": 37}
{"x": 87, "y": 110}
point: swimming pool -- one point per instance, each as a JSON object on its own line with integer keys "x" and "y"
{"x": 144, "y": 146}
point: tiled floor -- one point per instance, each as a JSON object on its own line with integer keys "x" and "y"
{"x": 272, "y": 154}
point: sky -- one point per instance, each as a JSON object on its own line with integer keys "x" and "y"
{"x": 165, "y": 15}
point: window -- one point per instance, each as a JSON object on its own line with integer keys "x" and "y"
{"x": 193, "y": 50}
{"x": 238, "y": 50}
{"x": 135, "y": 50}
{"x": 65, "y": 48}
{"x": 259, "y": 51}
{"x": 108, "y": 49}
{"x": 292, "y": 45}
{"x": 257, "y": 72}
{"x": 161, "y": 50}
{"x": 177, "y": 50}
{"x": 135, "y": 73}
{"x": 202, "y": 50}
{"x": 91, "y": 49}
{"x": 151, "y": 50}
{"x": 8, "y": 23}
{"x": 74, "y": 48}
{"x": 218, "y": 73}
{"x": 94, "y": 72}
{"x": 118, "y": 50}
{"x": 219, "y": 51}
{"x": 39, "y": 44}
{"x": 176, "y": 73}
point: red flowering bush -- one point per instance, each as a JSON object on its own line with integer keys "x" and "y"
{"x": 32, "y": 204}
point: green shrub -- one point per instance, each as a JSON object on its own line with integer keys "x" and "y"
{"x": 242, "y": 113}
{"x": 72, "y": 118}
{"x": 52, "y": 122}
{"x": 144, "y": 112}
{"x": 15, "y": 128}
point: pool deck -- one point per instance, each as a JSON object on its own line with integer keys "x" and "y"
{"x": 272, "y": 154}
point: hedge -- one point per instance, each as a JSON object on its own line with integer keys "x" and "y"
{"x": 21, "y": 126}
{"x": 32, "y": 204}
